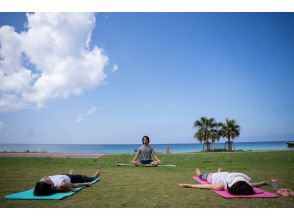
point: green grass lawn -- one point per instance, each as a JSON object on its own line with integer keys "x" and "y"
{"x": 149, "y": 187}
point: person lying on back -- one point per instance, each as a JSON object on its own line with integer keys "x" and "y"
{"x": 234, "y": 183}
{"x": 145, "y": 153}
{"x": 63, "y": 183}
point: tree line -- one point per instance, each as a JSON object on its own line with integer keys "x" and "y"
{"x": 209, "y": 131}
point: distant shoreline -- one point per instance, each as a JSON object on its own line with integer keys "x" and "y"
{"x": 94, "y": 156}
{"x": 130, "y": 149}
{"x": 177, "y": 143}
{"x": 48, "y": 155}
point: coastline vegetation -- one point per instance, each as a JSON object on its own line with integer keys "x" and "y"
{"x": 209, "y": 131}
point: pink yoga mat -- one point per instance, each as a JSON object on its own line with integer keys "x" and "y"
{"x": 259, "y": 192}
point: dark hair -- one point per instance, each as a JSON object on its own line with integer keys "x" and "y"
{"x": 43, "y": 189}
{"x": 146, "y": 138}
{"x": 241, "y": 188}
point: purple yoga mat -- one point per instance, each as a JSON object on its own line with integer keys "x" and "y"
{"x": 259, "y": 192}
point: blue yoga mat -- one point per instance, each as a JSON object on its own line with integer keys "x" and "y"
{"x": 29, "y": 194}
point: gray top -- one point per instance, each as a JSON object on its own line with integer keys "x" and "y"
{"x": 145, "y": 152}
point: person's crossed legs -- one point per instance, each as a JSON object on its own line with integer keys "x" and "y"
{"x": 154, "y": 163}
{"x": 137, "y": 163}
{"x": 146, "y": 163}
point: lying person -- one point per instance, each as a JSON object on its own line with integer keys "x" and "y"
{"x": 234, "y": 183}
{"x": 63, "y": 183}
{"x": 145, "y": 153}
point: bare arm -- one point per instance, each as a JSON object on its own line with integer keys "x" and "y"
{"x": 263, "y": 183}
{"x": 219, "y": 186}
{"x": 155, "y": 156}
{"x": 135, "y": 158}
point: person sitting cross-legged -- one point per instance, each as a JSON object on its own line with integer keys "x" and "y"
{"x": 145, "y": 153}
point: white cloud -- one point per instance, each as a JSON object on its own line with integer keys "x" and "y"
{"x": 80, "y": 117}
{"x": 114, "y": 68}
{"x": 50, "y": 59}
{"x": 3, "y": 125}
{"x": 34, "y": 131}
{"x": 92, "y": 110}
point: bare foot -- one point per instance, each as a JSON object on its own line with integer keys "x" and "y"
{"x": 197, "y": 172}
{"x": 154, "y": 164}
{"x": 71, "y": 171}
{"x": 136, "y": 163}
{"x": 97, "y": 174}
{"x": 220, "y": 170}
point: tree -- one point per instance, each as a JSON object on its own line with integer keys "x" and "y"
{"x": 230, "y": 130}
{"x": 208, "y": 131}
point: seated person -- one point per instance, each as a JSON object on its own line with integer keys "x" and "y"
{"x": 63, "y": 183}
{"x": 145, "y": 153}
{"x": 234, "y": 183}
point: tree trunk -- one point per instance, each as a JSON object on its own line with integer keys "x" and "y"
{"x": 229, "y": 144}
{"x": 206, "y": 146}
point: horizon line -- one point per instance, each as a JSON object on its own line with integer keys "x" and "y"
{"x": 139, "y": 143}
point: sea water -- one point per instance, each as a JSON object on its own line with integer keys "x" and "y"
{"x": 130, "y": 148}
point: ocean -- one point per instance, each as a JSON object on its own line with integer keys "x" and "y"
{"x": 130, "y": 148}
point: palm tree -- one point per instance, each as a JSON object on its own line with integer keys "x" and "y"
{"x": 230, "y": 130}
{"x": 207, "y": 131}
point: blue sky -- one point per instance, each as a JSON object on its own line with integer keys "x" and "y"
{"x": 173, "y": 68}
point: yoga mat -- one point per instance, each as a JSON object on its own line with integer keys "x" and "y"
{"x": 130, "y": 165}
{"x": 259, "y": 192}
{"x": 29, "y": 194}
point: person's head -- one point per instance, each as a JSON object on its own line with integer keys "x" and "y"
{"x": 44, "y": 187}
{"x": 46, "y": 179}
{"x": 145, "y": 140}
{"x": 241, "y": 188}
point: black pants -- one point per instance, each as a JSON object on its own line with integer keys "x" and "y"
{"x": 77, "y": 178}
